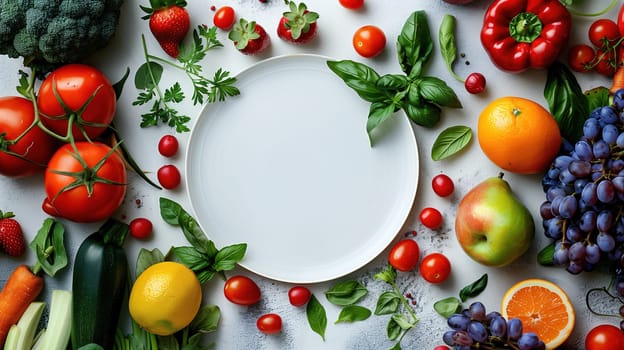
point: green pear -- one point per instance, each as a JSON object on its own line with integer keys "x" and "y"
{"x": 492, "y": 226}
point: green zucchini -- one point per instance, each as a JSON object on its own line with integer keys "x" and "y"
{"x": 99, "y": 284}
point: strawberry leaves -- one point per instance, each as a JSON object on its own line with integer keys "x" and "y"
{"x": 299, "y": 20}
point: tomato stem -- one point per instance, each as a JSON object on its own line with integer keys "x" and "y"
{"x": 594, "y": 14}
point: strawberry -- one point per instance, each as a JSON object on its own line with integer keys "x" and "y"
{"x": 297, "y": 25}
{"x": 249, "y": 37}
{"x": 11, "y": 236}
{"x": 169, "y": 22}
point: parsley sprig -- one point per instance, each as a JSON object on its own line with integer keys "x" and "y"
{"x": 149, "y": 74}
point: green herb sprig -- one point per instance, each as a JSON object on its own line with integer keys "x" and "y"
{"x": 420, "y": 97}
{"x": 451, "y": 305}
{"x": 202, "y": 256}
{"x": 402, "y": 320}
{"x": 149, "y": 74}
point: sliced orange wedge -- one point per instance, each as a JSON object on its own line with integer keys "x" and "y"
{"x": 544, "y": 309}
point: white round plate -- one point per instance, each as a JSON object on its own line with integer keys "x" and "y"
{"x": 287, "y": 168}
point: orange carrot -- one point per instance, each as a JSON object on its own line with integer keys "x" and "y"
{"x": 22, "y": 288}
{"x": 618, "y": 80}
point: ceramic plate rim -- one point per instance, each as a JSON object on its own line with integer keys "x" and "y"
{"x": 390, "y": 234}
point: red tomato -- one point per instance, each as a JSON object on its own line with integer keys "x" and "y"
{"x": 369, "y": 41}
{"x": 299, "y": 296}
{"x": 475, "y": 83}
{"x": 404, "y": 255}
{"x": 604, "y": 337}
{"x": 141, "y": 228}
{"x": 603, "y": 32}
{"x": 580, "y": 57}
{"x": 620, "y": 21}
{"x": 75, "y": 85}
{"x": 169, "y": 176}
{"x": 442, "y": 185}
{"x": 352, "y": 4}
{"x": 168, "y": 146}
{"x": 269, "y": 323}
{"x": 241, "y": 290}
{"x": 441, "y": 347}
{"x": 607, "y": 64}
{"x": 86, "y": 184}
{"x": 224, "y": 17}
{"x": 31, "y": 153}
{"x": 431, "y": 218}
{"x": 435, "y": 268}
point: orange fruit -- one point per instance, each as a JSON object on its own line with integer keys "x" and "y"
{"x": 165, "y": 298}
{"x": 543, "y": 307}
{"x": 518, "y": 135}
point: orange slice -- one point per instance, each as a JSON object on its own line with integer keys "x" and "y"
{"x": 543, "y": 307}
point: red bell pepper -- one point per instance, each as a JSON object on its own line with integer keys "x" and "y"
{"x": 522, "y": 34}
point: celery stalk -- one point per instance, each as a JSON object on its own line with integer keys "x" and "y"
{"x": 39, "y": 340}
{"x": 12, "y": 336}
{"x": 28, "y": 325}
{"x": 59, "y": 322}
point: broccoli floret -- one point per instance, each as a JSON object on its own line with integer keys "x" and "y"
{"x": 50, "y": 33}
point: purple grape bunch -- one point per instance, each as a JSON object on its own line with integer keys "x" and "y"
{"x": 473, "y": 328}
{"x": 583, "y": 212}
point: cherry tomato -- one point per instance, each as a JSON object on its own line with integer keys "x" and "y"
{"x": 32, "y": 152}
{"x": 269, "y": 323}
{"x": 606, "y": 65}
{"x": 431, "y": 218}
{"x": 369, "y": 41}
{"x": 475, "y": 83}
{"x": 87, "y": 184}
{"x": 604, "y": 337}
{"x": 441, "y": 347}
{"x": 224, "y": 18}
{"x": 603, "y": 30}
{"x": 241, "y": 290}
{"x": 169, "y": 176}
{"x": 404, "y": 255}
{"x": 141, "y": 228}
{"x": 442, "y": 185}
{"x": 352, "y": 4}
{"x": 435, "y": 268}
{"x": 620, "y": 21}
{"x": 77, "y": 87}
{"x": 168, "y": 146}
{"x": 299, "y": 296}
{"x": 580, "y": 56}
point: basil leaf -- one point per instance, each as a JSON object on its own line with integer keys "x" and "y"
{"x": 346, "y": 293}
{"x": 448, "y": 48}
{"x": 474, "y": 289}
{"x": 148, "y": 75}
{"x": 377, "y": 114}
{"x": 193, "y": 232}
{"x": 353, "y": 313}
{"x": 414, "y": 44}
{"x": 387, "y": 275}
{"x": 170, "y": 211}
{"x": 317, "y": 317}
{"x": 450, "y": 141}
{"x": 388, "y": 303}
{"x": 402, "y": 321}
{"x": 397, "y": 346}
{"x": 597, "y": 97}
{"x": 566, "y": 101}
{"x": 359, "y": 77}
{"x": 426, "y": 115}
{"x": 191, "y": 258}
{"x": 206, "y": 320}
{"x": 448, "y": 306}
{"x": 51, "y": 235}
{"x": 436, "y": 91}
{"x": 91, "y": 346}
{"x": 147, "y": 258}
{"x": 227, "y": 258}
{"x": 393, "y": 330}
{"x": 545, "y": 256}
{"x": 393, "y": 82}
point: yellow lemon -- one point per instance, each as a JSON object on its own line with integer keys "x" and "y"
{"x": 165, "y": 298}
